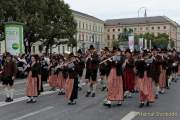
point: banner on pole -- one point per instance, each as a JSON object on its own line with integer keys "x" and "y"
{"x": 14, "y": 38}
{"x": 145, "y": 44}
{"x": 141, "y": 43}
{"x": 131, "y": 43}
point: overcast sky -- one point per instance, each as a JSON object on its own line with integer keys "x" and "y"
{"x": 110, "y": 9}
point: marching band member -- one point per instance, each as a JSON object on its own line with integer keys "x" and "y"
{"x": 71, "y": 85}
{"x": 174, "y": 65}
{"x": 33, "y": 80}
{"x": 80, "y": 68}
{"x": 162, "y": 77}
{"x": 114, "y": 81}
{"x": 92, "y": 62}
{"x": 9, "y": 70}
{"x": 129, "y": 74}
{"x": 144, "y": 76}
{"x": 104, "y": 68}
{"x": 178, "y": 65}
{"x": 44, "y": 71}
{"x": 52, "y": 80}
{"x": 156, "y": 70}
{"x": 61, "y": 77}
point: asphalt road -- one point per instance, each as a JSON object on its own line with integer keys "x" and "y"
{"x": 50, "y": 106}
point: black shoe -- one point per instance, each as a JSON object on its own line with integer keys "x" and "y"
{"x": 147, "y": 104}
{"x": 79, "y": 88}
{"x": 141, "y": 105}
{"x": 11, "y": 100}
{"x": 87, "y": 94}
{"x": 103, "y": 88}
{"x": 93, "y": 95}
{"x": 29, "y": 101}
{"x": 119, "y": 104}
{"x": 108, "y": 105}
{"x": 7, "y": 99}
{"x": 156, "y": 96}
{"x": 72, "y": 103}
{"x": 168, "y": 88}
{"x": 61, "y": 93}
{"x": 33, "y": 101}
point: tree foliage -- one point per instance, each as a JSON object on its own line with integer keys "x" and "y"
{"x": 47, "y": 21}
{"x": 125, "y": 34}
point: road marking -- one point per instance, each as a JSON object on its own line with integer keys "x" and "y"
{"x": 130, "y": 116}
{"x": 34, "y": 113}
{"x": 24, "y": 98}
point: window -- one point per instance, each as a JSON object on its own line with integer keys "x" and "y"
{"x": 108, "y": 37}
{"x": 141, "y": 28}
{"x": 83, "y": 37}
{"x": 86, "y": 27}
{"x": 59, "y": 49}
{"x": 108, "y": 30}
{"x": 135, "y": 29}
{"x": 158, "y": 28}
{"x": 152, "y": 28}
{"x": 164, "y": 27}
{"x": 86, "y": 37}
{"x": 113, "y": 30}
{"x": 83, "y": 25}
{"x": 89, "y": 27}
{"x": 113, "y": 37}
{"x": 79, "y": 36}
{"x": 34, "y": 49}
{"x": 118, "y": 29}
{"x": 147, "y": 28}
{"x": 79, "y": 24}
{"x": 0, "y": 47}
{"x": 63, "y": 49}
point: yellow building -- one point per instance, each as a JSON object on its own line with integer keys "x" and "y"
{"x": 141, "y": 25}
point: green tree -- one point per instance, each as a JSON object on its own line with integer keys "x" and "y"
{"x": 125, "y": 34}
{"x": 47, "y": 21}
{"x": 161, "y": 41}
{"x": 115, "y": 43}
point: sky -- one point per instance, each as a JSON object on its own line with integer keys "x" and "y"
{"x": 115, "y": 9}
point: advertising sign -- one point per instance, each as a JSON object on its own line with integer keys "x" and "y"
{"x": 14, "y": 38}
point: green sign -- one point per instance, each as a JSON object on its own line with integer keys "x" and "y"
{"x": 14, "y": 38}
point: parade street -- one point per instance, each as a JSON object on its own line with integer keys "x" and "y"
{"x": 50, "y": 106}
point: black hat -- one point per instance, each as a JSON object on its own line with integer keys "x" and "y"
{"x": 91, "y": 47}
{"x": 7, "y": 54}
{"x": 106, "y": 49}
{"x": 119, "y": 49}
{"x": 128, "y": 50}
{"x": 79, "y": 51}
{"x": 71, "y": 55}
{"x": 114, "y": 48}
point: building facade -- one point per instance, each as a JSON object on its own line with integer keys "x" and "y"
{"x": 155, "y": 25}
